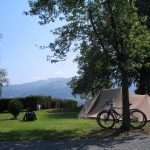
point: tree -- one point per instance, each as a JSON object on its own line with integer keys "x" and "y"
{"x": 112, "y": 25}
{"x": 122, "y": 28}
{"x": 143, "y": 9}
{"x": 15, "y": 107}
{"x": 142, "y": 79}
{"x": 3, "y": 77}
{"x": 93, "y": 76}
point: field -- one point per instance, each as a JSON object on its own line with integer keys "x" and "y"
{"x": 50, "y": 124}
{"x": 55, "y": 125}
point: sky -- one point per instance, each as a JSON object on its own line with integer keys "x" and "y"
{"x": 19, "y": 47}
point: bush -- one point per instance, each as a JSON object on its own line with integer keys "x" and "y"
{"x": 56, "y": 103}
{"x": 44, "y": 101}
{"x": 15, "y": 107}
{"x": 4, "y": 104}
{"x": 33, "y": 101}
{"x": 69, "y": 104}
{"x": 30, "y": 102}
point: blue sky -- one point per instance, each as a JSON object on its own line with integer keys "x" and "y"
{"x": 24, "y": 61}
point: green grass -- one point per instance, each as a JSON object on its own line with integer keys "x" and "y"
{"x": 52, "y": 125}
{"x": 56, "y": 125}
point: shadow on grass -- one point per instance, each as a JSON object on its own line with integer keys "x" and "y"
{"x": 42, "y": 134}
{"x": 37, "y": 134}
{"x": 107, "y": 139}
{"x": 114, "y": 133}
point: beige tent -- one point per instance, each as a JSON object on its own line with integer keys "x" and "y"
{"x": 95, "y": 105}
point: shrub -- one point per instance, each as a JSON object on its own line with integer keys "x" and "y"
{"x": 33, "y": 101}
{"x": 4, "y": 104}
{"x": 69, "y": 104}
{"x": 56, "y": 103}
{"x": 30, "y": 102}
{"x": 15, "y": 107}
{"x": 44, "y": 101}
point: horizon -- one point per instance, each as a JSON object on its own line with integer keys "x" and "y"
{"x": 41, "y": 80}
{"x": 131, "y": 88}
{"x": 51, "y": 86}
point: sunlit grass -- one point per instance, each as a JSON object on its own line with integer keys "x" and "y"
{"x": 54, "y": 125}
{"x": 49, "y": 125}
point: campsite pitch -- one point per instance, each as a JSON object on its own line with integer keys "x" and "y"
{"x": 55, "y": 125}
{"x": 50, "y": 124}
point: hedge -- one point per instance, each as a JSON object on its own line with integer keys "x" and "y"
{"x": 28, "y": 102}
{"x": 68, "y": 104}
{"x": 45, "y": 102}
{"x": 4, "y": 104}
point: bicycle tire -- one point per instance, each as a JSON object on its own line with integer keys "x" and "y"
{"x": 105, "y": 119}
{"x": 137, "y": 119}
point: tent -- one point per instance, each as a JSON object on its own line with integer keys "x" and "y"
{"x": 95, "y": 105}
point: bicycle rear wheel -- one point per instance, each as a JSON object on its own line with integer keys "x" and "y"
{"x": 137, "y": 119}
{"x": 105, "y": 119}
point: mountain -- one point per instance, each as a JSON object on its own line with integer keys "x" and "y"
{"x": 54, "y": 87}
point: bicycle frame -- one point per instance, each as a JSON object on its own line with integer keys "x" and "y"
{"x": 111, "y": 113}
{"x": 118, "y": 117}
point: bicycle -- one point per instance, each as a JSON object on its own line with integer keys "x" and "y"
{"x": 108, "y": 118}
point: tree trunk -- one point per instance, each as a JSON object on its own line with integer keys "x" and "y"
{"x": 125, "y": 101}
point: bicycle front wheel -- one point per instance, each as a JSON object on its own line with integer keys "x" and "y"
{"x": 137, "y": 119}
{"x": 105, "y": 119}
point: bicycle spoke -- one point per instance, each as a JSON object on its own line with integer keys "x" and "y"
{"x": 137, "y": 119}
{"x": 105, "y": 119}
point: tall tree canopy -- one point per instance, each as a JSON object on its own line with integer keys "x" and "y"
{"x": 93, "y": 73}
{"x": 142, "y": 79}
{"x": 110, "y": 27}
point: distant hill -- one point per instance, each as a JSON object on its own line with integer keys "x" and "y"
{"x": 54, "y": 87}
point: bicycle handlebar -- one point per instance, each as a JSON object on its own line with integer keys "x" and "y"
{"x": 110, "y": 103}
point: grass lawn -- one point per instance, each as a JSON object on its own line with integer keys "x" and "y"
{"x": 55, "y": 125}
{"x": 50, "y": 124}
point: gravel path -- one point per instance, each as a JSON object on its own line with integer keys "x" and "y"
{"x": 114, "y": 143}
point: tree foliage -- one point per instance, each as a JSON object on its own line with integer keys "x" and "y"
{"x": 110, "y": 29}
{"x": 142, "y": 79}
{"x": 3, "y": 76}
{"x": 144, "y": 9}
{"x": 3, "y": 79}
{"x": 93, "y": 73}
{"x": 15, "y": 107}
